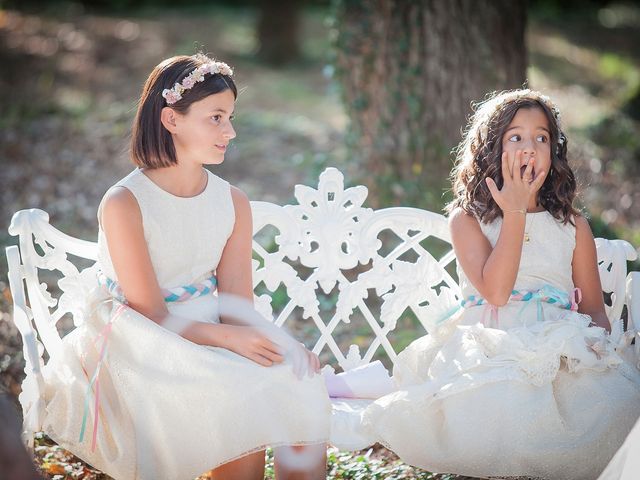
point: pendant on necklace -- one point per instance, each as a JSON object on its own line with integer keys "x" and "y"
{"x": 526, "y": 238}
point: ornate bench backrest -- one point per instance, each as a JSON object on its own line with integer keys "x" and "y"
{"x": 334, "y": 272}
{"x": 337, "y": 274}
{"x": 612, "y": 267}
{"x": 351, "y": 274}
{"x": 44, "y": 248}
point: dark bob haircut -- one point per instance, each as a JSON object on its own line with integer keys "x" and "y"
{"x": 151, "y": 144}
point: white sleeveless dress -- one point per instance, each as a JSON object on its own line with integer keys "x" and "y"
{"x": 527, "y": 389}
{"x": 625, "y": 464}
{"x": 171, "y": 409}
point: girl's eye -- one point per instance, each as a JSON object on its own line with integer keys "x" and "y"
{"x": 541, "y": 138}
{"x": 514, "y": 138}
{"x": 218, "y": 118}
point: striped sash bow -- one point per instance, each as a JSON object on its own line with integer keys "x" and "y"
{"x": 546, "y": 294}
{"x": 175, "y": 294}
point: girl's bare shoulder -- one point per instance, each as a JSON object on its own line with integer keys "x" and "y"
{"x": 241, "y": 205}
{"x": 119, "y": 205}
{"x": 238, "y": 196}
{"x": 119, "y": 195}
{"x": 459, "y": 219}
{"x": 584, "y": 235}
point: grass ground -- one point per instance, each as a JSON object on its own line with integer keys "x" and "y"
{"x": 373, "y": 464}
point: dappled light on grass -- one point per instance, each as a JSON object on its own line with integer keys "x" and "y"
{"x": 377, "y": 463}
{"x": 57, "y": 463}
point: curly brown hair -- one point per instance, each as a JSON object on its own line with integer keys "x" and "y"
{"x": 479, "y": 156}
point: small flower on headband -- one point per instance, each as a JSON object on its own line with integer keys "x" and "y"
{"x": 188, "y": 82}
{"x": 172, "y": 95}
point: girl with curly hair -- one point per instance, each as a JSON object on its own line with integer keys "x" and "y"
{"x": 526, "y": 379}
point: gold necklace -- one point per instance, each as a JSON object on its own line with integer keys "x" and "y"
{"x": 527, "y": 238}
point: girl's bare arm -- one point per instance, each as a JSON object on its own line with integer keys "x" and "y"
{"x": 585, "y": 275}
{"x": 493, "y": 271}
{"x": 234, "y": 269}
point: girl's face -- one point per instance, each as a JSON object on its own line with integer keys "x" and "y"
{"x": 529, "y": 132}
{"x": 204, "y": 132}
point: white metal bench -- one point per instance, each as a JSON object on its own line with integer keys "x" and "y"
{"x": 358, "y": 284}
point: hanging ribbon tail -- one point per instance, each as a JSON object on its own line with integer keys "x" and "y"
{"x": 95, "y": 381}
{"x": 96, "y": 417}
{"x": 524, "y": 306}
{"x": 448, "y": 314}
{"x": 576, "y": 298}
{"x": 492, "y": 312}
{"x": 494, "y": 316}
{"x": 539, "y": 313}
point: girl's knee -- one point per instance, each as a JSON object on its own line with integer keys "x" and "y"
{"x": 301, "y": 462}
{"x": 248, "y": 467}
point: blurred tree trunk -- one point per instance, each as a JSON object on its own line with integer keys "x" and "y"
{"x": 409, "y": 70}
{"x": 278, "y": 31}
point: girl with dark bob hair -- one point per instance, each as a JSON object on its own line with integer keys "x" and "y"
{"x": 524, "y": 379}
{"x": 175, "y": 372}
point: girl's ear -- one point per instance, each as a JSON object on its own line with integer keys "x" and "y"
{"x": 168, "y": 117}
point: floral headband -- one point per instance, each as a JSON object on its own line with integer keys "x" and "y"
{"x": 174, "y": 94}
{"x": 491, "y": 106}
